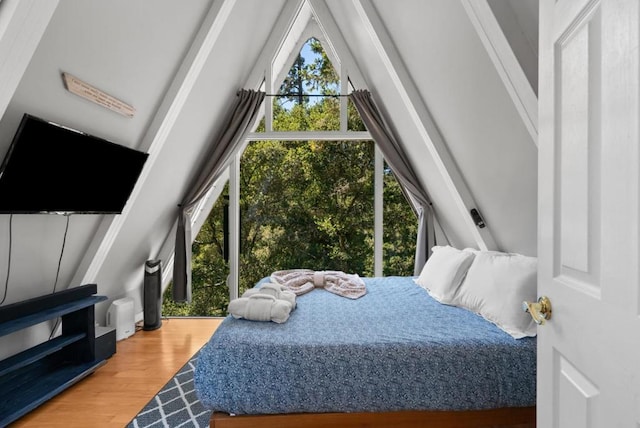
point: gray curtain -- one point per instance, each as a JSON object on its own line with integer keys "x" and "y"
{"x": 241, "y": 117}
{"x": 402, "y": 169}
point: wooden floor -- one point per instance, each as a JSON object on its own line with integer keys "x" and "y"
{"x": 117, "y": 391}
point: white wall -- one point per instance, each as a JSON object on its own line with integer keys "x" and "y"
{"x": 519, "y": 22}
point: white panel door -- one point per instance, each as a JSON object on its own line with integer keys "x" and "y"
{"x": 588, "y": 246}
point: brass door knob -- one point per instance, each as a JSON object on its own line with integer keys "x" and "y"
{"x": 540, "y": 311}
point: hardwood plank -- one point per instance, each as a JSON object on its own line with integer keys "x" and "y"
{"x": 117, "y": 391}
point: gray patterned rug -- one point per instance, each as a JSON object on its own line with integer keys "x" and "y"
{"x": 176, "y": 405}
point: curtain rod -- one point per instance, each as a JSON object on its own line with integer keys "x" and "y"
{"x": 306, "y": 95}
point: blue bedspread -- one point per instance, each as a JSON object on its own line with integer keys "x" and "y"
{"x": 393, "y": 349}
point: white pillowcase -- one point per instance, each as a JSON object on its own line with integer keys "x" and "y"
{"x": 495, "y": 287}
{"x": 444, "y": 271}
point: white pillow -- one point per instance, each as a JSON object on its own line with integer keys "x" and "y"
{"x": 444, "y": 271}
{"x": 495, "y": 287}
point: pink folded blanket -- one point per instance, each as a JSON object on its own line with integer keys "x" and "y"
{"x": 302, "y": 281}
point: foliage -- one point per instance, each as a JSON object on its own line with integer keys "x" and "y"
{"x": 310, "y": 207}
{"x": 303, "y": 204}
{"x": 303, "y": 79}
{"x": 209, "y": 270}
{"x": 399, "y": 230}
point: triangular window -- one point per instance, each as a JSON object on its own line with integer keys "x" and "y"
{"x": 310, "y": 90}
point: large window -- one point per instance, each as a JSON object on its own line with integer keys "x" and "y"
{"x": 324, "y": 200}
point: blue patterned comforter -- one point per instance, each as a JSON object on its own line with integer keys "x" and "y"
{"x": 393, "y": 349}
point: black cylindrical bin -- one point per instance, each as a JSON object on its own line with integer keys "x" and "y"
{"x": 152, "y": 295}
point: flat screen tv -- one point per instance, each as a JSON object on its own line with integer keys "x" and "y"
{"x": 50, "y": 168}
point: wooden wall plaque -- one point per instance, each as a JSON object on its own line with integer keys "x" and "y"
{"x": 91, "y": 93}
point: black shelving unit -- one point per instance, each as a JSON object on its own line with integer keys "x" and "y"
{"x": 37, "y": 374}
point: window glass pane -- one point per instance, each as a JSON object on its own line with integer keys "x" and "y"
{"x": 306, "y": 99}
{"x": 209, "y": 267}
{"x": 354, "y": 122}
{"x": 399, "y": 230}
{"x": 306, "y": 204}
{"x": 314, "y": 114}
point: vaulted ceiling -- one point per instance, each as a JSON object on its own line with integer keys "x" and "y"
{"x": 456, "y": 80}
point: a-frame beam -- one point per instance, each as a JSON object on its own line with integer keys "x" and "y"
{"x": 22, "y": 24}
{"x": 507, "y": 65}
{"x": 336, "y": 42}
{"x": 422, "y": 119}
{"x": 274, "y": 43}
{"x": 161, "y": 126}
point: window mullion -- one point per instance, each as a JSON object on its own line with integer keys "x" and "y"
{"x": 378, "y": 204}
{"x": 310, "y": 135}
{"x": 268, "y": 105}
{"x": 344, "y": 119}
{"x": 234, "y": 227}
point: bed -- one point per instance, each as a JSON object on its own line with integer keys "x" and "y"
{"x": 393, "y": 357}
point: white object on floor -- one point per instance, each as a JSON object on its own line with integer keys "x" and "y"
{"x": 121, "y": 316}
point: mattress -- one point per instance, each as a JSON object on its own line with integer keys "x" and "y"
{"x": 395, "y": 348}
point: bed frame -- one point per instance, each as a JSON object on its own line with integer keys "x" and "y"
{"x": 512, "y": 417}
